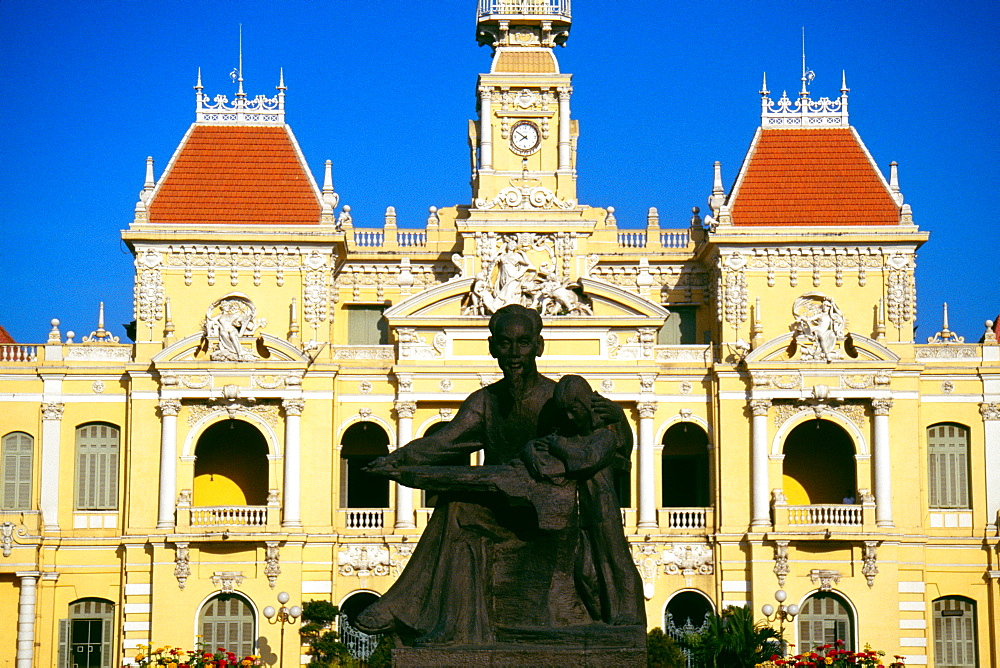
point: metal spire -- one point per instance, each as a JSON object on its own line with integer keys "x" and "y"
{"x": 240, "y": 92}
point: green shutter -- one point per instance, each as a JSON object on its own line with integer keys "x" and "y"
{"x": 366, "y": 326}
{"x": 680, "y": 327}
{"x": 107, "y": 650}
{"x": 228, "y": 621}
{"x": 954, "y": 633}
{"x": 15, "y": 493}
{"x": 97, "y": 467}
{"x": 823, "y": 619}
{"x": 64, "y": 643}
{"x": 948, "y": 466}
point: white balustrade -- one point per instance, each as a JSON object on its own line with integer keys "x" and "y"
{"x": 364, "y": 518}
{"x": 685, "y": 518}
{"x": 229, "y": 516}
{"x": 632, "y": 239}
{"x": 675, "y": 238}
{"x": 525, "y": 7}
{"x": 18, "y": 353}
{"x": 826, "y": 515}
{"x": 411, "y": 238}
{"x": 368, "y": 238}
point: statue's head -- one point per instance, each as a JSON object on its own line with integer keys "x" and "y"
{"x": 516, "y": 340}
{"x": 573, "y": 394}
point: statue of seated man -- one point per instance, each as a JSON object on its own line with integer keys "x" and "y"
{"x": 529, "y": 547}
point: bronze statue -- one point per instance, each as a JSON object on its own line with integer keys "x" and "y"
{"x": 529, "y": 547}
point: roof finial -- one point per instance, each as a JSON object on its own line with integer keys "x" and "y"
{"x": 843, "y": 82}
{"x": 281, "y": 79}
{"x": 763, "y": 87}
{"x": 894, "y": 183}
{"x": 807, "y": 75}
{"x": 240, "y": 93}
{"x": 330, "y": 198}
{"x": 945, "y": 335}
{"x": 198, "y": 87}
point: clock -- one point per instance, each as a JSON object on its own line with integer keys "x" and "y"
{"x": 525, "y": 138}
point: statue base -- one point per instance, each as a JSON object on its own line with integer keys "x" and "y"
{"x": 501, "y": 655}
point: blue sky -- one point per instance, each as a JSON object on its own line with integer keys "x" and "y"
{"x": 661, "y": 91}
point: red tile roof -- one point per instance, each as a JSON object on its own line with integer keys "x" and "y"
{"x": 5, "y": 337}
{"x": 240, "y": 175}
{"x": 811, "y": 177}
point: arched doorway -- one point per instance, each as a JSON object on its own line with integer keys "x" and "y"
{"x": 824, "y": 618}
{"x": 685, "y": 467}
{"x": 362, "y": 443}
{"x": 228, "y": 620}
{"x": 230, "y": 468}
{"x": 86, "y": 637}
{"x": 819, "y": 464}
{"x": 359, "y": 644}
{"x": 687, "y": 610}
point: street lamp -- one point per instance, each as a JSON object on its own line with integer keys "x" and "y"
{"x": 782, "y": 614}
{"x": 282, "y": 616}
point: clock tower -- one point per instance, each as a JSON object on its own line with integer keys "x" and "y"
{"x": 523, "y": 145}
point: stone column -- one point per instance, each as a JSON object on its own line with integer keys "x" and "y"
{"x": 761, "y": 488}
{"x": 564, "y": 124}
{"x": 26, "y": 619}
{"x": 991, "y": 430}
{"x": 485, "y": 129}
{"x": 882, "y": 458}
{"x": 169, "y": 408}
{"x": 292, "y": 513}
{"x": 404, "y": 434}
{"x": 647, "y": 475}
{"x": 51, "y": 426}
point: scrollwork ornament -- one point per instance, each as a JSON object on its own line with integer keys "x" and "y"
{"x": 990, "y": 410}
{"x": 272, "y": 565}
{"x": 869, "y": 566}
{"x": 781, "y": 568}
{"x": 182, "y": 565}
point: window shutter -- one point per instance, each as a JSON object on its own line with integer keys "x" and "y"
{"x": 948, "y": 466}
{"x": 107, "y": 651}
{"x": 15, "y": 493}
{"x": 63, "y": 643}
{"x": 97, "y": 467}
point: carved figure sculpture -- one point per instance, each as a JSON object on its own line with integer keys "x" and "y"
{"x": 236, "y": 317}
{"x": 529, "y": 547}
{"x": 818, "y": 326}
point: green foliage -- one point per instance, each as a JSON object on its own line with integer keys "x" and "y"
{"x": 662, "y": 651}
{"x": 733, "y": 640}
{"x": 382, "y": 656}
{"x": 325, "y": 648}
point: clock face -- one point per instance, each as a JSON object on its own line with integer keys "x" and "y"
{"x": 525, "y": 138}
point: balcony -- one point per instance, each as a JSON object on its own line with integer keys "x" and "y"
{"x": 686, "y": 520}
{"x": 849, "y": 517}
{"x": 229, "y": 516}
{"x": 20, "y": 353}
{"x": 363, "y": 519}
{"x": 539, "y": 8}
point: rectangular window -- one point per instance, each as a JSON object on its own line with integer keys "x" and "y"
{"x": 948, "y": 466}
{"x": 366, "y": 326}
{"x": 680, "y": 327}
{"x": 15, "y": 493}
{"x": 97, "y": 467}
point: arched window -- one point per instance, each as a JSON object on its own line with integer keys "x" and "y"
{"x": 685, "y": 467}
{"x": 363, "y": 442}
{"x": 227, "y": 620}
{"x": 819, "y": 464}
{"x": 954, "y": 632}
{"x": 85, "y": 637}
{"x": 825, "y": 618}
{"x": 948, "y": 466}
{"x": 686, "y": 613}
{"x": 360, "y": 645}
{"x": 230, "y": 468}
{"x": 97, "y": 467}
{"x": 15, "y": 494}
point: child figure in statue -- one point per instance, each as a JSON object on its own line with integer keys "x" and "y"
{"x": 592, "y": 454}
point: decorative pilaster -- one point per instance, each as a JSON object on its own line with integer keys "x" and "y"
{"x": 647, "y": 476}
{"x": 883, "y": 463}
{"x": 761, "y": 514}
{"x": 404, "y": 434}
{"x": 564, "y": 134}
{"x": 991, "y": 428}
{"x": 51, "y": 426}
{"x": 169, "y": 408}
{"x": 293, "y": 469}
{"x": 485, "y": 129}
{"x": 26, "y": 618}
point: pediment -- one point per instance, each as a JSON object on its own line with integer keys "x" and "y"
{"x": 610, "y": 304}
{"x": 265, "y": 349}
{"x": 854, "y": 348}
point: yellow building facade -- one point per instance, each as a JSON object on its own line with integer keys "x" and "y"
{"x": 790, "y": 432}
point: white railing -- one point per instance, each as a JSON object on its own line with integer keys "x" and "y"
{"x": 675, "y": 238}
{"x": 411, "y": 238}
{"x": 828, "y": 515}
{"x": 632, "y": 239}
{"x": 360, "y": 645}
{"x": 368, "y": 238}
{"x": 364, "y": 518}
{"x": 18, "y": 353}
{"x": 229, "y": 516}
{"x": 526, "y": 7}
{"x": 685, "y": 518}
